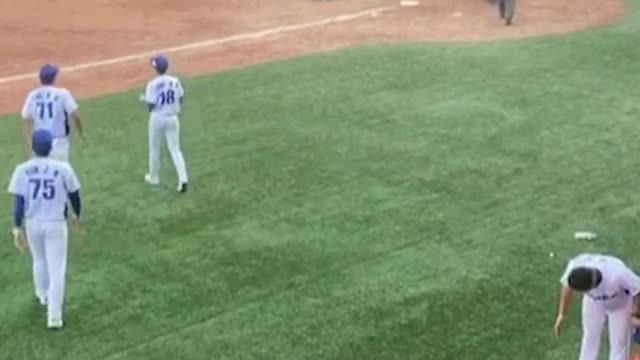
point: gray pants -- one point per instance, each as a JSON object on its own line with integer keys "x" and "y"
{"x": 507, "y": 10}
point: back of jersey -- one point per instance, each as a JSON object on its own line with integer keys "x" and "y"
{"x": 165, "y": 92}
{"x": 45, "y": 185}
{"x": 49, "y": 108}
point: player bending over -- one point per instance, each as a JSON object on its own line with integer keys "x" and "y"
{"x": 610, "y": 291}
{"x": 164, "y": 97}
{"x": 41, "y": 187}
{"x": 50, "y": 107}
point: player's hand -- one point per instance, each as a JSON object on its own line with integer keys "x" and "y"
{"x": 19, "y": 240}
{"x": 559, "y": 325}
{"x": 76, "y": 223}
{"x": 142, "y": 98}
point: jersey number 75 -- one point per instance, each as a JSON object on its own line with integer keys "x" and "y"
{"x": 44, "y": 188}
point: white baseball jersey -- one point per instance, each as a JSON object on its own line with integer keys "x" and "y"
{"x": 165, "y": 92}
{"x": 45, "y": 185}
{"x": 618, "y": 281}
{"x": 49, "y": 108}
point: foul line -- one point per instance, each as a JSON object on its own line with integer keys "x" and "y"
{"x": 207, "y": 43}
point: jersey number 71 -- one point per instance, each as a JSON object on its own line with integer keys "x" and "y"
{"x": 42, "y": 106}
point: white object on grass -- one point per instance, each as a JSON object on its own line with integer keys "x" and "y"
{"x": 585, "y": 235}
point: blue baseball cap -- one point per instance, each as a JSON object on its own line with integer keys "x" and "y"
{"x": 48, "y": 74}
{"x": 41, "y": 142}
{"x": 160, "y": 63}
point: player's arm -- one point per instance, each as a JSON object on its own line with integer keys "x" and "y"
{"x": 18, "y": 189}
{"x": 180, "y": 93}
{"x": 148, "y": 99}
{"x": 27, "y": 129}
{"x": 631, "y": 283}
{"x": 73, "y": 190}
{"x": 76, "y": 203}
{"x": 566, "y": 299}
{"x": 77, "y": 122}
{"x": 71, "y": 107}
{"x": 27, "y": 122}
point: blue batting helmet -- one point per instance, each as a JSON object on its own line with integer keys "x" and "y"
{"x": 41, "y": 142}
{"x": 160, "y": 63}
{"x": 48, "y": 74}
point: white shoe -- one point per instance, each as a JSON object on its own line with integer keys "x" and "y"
{"x": 55, "y": 324}
{"x": 151, "y": 180}
{"x": 41, "y": 300}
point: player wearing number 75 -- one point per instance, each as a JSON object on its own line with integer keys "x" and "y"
{"x": 41, "y": 187}
{"x": 50, "y": 107}
{"x": 164, "y": 97}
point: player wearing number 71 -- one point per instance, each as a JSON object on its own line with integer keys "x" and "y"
{"x": 164, "y": 97}
{"x": 41, "y": 187}
{"x": 50, "y": 107}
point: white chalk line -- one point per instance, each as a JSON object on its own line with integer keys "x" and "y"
{"x": 207, "y": 43}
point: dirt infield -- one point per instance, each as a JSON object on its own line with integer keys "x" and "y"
{"x": 234, "y": 33}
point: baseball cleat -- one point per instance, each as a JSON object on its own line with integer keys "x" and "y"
{"x": 39, "y": 300}
{"x": 55, "y": 324}
{"x": 507, "y": 22}
{"x": 183, "y": 188}
{"x": 151, "y": 180}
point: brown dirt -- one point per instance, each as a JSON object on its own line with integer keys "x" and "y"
{"x": 37, "y": 31}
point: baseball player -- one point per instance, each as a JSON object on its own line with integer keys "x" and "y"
{"x": 41, "y": 187}
{"x": 164, "y": 97}
{"x": 50, "y": 107}
{"x": 507, "y": 10}
{"x": 610, "y": 291}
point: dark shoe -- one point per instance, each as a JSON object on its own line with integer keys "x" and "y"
{"x": 183, "y": 188}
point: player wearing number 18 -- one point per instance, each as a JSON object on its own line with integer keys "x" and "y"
{"x": 41, "y": 187}
{"x": 164, "y": 97}
{"x": 50, "y": 107}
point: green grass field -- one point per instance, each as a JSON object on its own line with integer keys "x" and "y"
{"x": 378, "y": 203}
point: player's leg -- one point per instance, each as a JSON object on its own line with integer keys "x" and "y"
{"x": 56, "y": 248}
{"x": 155, "y": 150}
{"x": 35, "y": 239}
{"x": 509, "y": 11}
{"x": 501, "y": 8}
{"x": 620, "y": 332}
{"x": 172, "y": 134}
{"x": 60, "y": 150}
{"x": 593, "y": 319}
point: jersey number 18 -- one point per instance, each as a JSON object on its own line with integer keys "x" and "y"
{"x": 167, "y": 97}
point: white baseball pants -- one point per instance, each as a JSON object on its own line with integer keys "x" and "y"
{"x": 60, "y": 149}
{"x": 167, "y": 127}
{"x": 594, "y": 315}
{"x": 48, "y": 244}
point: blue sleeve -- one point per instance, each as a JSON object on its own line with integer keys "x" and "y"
{"x": 76, "y": 203}
{"x": 150, "y": 107}
{"x": 18, "y": 210}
